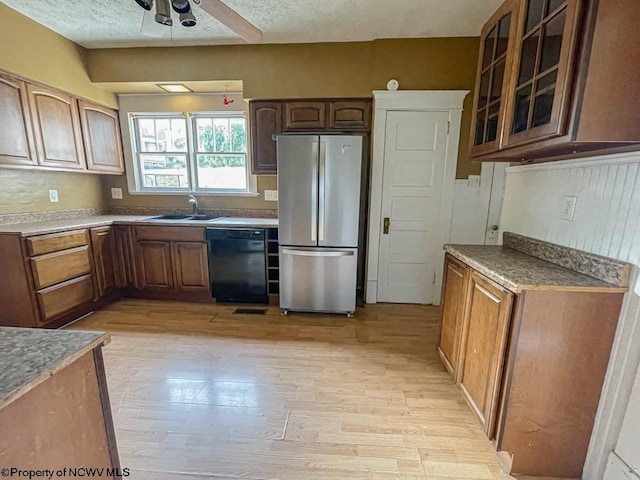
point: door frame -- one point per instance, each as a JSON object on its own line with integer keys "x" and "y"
{"x": 411, "y": 101}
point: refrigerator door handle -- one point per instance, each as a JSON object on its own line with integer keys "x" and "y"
{"x": 312, "y": 253}
{"x": 321, "y": 201}
{"x": 314, "y": 194}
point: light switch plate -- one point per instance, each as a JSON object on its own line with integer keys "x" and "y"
{"x": 53, "y": 196}
{"x": 473, "y": 181}
{"x": 116, "y": 193}
{"x": 271, "y": 195}
{"x": 568, "y": 209}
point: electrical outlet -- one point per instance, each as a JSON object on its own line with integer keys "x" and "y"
{"x": 116, "y": 193}
{"x": 271, "y": 195}
{"x": 53, "y": 196}
{"x": 473, "y": 181}
{"x": 568, "y": 208}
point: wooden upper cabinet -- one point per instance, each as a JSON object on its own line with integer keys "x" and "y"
{"x": 56, "y": 127}
{"x": 484, "y": 338}
{"x": 494, "y": 63}
{"x": 305, "y": 115}
{"x": 456, "y": 276}
{"x": 266, "y": 121}
{"x": 16, "y": 139}
{"x": 546, "y": 42}
{"x": 102, "y": 140}
{"x": 350, "y": 115}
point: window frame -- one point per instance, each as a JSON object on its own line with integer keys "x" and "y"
{"x": 191, "y": 155}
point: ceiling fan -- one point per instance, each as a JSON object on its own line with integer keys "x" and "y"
{"x": 153, "y": 25}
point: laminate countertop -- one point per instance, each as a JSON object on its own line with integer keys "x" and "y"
{"x": 54, "y": 226}
{"x": 28, "y": 356}
{"x": 517, "y": 271}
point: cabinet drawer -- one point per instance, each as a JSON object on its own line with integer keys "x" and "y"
{"x": 169, "y": 234}
{"x": 350, "y": 115}
{"x": 56, "y": 241}
{"x": 305, "y": 115}
{"x": 61, "y": 298}
{"x": 60, "y": 266}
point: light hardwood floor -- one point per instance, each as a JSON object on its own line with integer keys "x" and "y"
{"x": 201, "y": 393}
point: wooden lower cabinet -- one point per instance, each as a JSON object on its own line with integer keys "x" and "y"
{"x": 484, "y": 333}
{"x": 191, "y": 266}
{"x": 125, "y": 261}
{"x": 530, "y": 364}
{"x": 154, "y": 265}
{"x": 104, "y": 260}
{"x": 456, "y": 276}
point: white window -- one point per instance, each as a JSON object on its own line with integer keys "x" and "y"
{"x": 203, "y": 152}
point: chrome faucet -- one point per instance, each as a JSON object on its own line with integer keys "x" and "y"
{"x": 194, "y": 204}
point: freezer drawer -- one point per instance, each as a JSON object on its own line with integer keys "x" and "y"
{"x": 318, "y": 279}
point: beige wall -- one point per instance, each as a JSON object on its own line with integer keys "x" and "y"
{"x": 25, "y": 191}
{"x": 179, "y": 103}
{"x": 31, "y": 50}
{"x": 307, "y": 70}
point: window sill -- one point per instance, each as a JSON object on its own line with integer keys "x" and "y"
{"x": 199, "y": 194}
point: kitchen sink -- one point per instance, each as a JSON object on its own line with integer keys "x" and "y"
{"x": 180, "y": 218}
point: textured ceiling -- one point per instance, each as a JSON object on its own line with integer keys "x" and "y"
{"x": 116, "y": 23}
{"x": 230, "y": 86}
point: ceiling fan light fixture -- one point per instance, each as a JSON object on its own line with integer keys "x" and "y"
{"x": 181, "y": 6}
{"x": 174, "y": 87}
{"x": 188, "y": 19}
{"x": 146, "y": 4}
{"x": 163, "y": 13}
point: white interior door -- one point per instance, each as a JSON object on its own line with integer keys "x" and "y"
{"x": 413, "y": 179}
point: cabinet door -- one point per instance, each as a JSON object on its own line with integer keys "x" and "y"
{"x": 191, "y": 266}
{"x": 104, "y": 259}
{"x": 453, "y": 297}
{"x": 102, "y": 141}
{"x": 56, "y": 126}
{"x": 266, "y": 121}
{"x": 350, "y": 115}
{"x": 154, "y": 265}
{"x": 485, "y": 326}
{"x": 305, "y": 115}
{"x": 16, "y": 137}
{"x": 543, "y": 70}
{"x": 492, "y": 80}
{"x": 125, "y": 256}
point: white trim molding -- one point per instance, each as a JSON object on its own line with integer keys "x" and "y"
{"x": 417, "y": 101}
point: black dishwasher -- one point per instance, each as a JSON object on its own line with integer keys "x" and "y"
{"x": 237, "y": 265}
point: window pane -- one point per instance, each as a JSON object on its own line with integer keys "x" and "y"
{"x": 492, "y": 129}
{"x": 204, "y": 132}
{"x": 238, "y": 135}
{"x": 488, "y": 48}
{"x": 554, "y": 5}
{"x": 164, "y": 171}
{"x": 479, "y": 137}
{"x": 552, "y": 42}
{"x": 147, "y": 134}
{"x": 503, "y": 35}
{"x": 542, "y": 108}
{"x": 534, "y": 14}
{"x": 521, "y": 115}
{"x": 221, "y": 135}
{"x": 498, "y": 76}
{"x": 484, "y": 89}
{"x": 222, "y": 171}
{"x": 528, "y": 59}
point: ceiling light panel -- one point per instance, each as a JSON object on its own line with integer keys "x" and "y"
{"x": 174, "y": 88}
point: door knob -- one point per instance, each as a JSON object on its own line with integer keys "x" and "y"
{"x": 386, "y": 224}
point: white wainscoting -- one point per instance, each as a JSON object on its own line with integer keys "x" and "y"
{"x": 607, "y": 222}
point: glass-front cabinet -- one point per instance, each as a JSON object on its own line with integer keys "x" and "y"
{"x": 491, "y": 83}
{"x": 546, "y": 37}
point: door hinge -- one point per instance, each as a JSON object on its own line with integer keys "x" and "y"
{"x": 448, "y": 127}
{"x": 434, "y": 278}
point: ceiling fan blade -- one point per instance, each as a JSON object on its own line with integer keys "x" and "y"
{"x": 232, "y": 20}
{"x": 150, "y": 28}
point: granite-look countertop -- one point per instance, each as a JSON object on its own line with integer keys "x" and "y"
{"x": 517, "y": 271}
{"x": 54, "y": 226}
{"x": 28, "y": 356}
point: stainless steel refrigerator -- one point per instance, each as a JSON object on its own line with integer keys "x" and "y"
{"x": 319, "y": 182}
